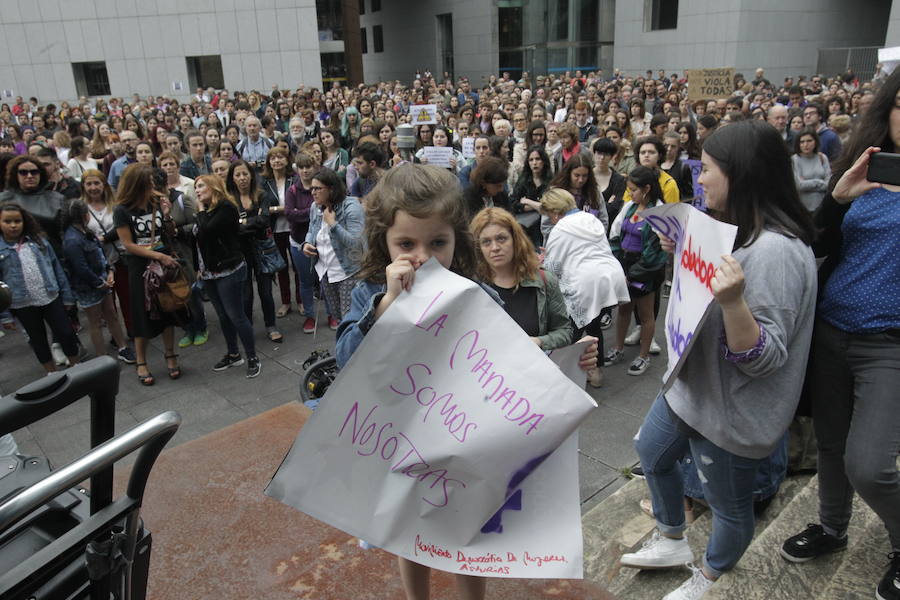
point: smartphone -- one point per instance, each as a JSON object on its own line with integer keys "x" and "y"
{"x": 884, "y": 167}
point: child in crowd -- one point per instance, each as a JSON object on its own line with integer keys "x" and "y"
{"x": 414, "y": 213}
{"x": 40, "y": 290}
{"x": 92, "y": 279}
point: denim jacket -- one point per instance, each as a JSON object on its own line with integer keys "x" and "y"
{"x": 84, "y": 257}
{"x": 346, "y": 235}
{"x": 51, "y": 271}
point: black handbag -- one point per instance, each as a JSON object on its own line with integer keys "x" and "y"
{"x": 268, "y": 258}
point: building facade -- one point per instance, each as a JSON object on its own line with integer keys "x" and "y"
{"x": 63, "y": 49}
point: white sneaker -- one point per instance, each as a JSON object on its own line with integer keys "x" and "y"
{"x": 59, "y": 357}
{"x": 693, "y": 588}
{"x": 654, "y": 347}
{"x": 634, "y": 338}
{"x": 659, "y": 552}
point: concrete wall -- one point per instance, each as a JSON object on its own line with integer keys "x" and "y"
{"x": 893, "y": 31}
{"x": 411, "y": 41}
{"x": 783, "y": 36}
{"x": 144, "y": 44}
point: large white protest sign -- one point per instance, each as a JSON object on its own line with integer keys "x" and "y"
{"x": 700, "y": 243}
{"x": 423, "y": 114}
{"x": 438, "y": 156}
{"x": 441, "y": 417}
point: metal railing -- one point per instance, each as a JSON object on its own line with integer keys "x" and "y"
{"x": 861, "y": 59}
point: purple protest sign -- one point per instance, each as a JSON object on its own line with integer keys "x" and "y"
{"x": 699, "y": 201}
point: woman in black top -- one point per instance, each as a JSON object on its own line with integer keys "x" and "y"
{"x": 531, "y": 184}
{"x": 143, "y": 224}
{"x": 488, "y": 185}
{"x": 255, "y": 220}
{"x": 223, "y": 269}
{"x": 609, "y": 181}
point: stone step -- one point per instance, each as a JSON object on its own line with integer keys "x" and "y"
{"x": 763, "y": 574}
{"x": 618, "y": 525}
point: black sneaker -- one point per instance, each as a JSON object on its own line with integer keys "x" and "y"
{"x": 253, "y": 367}
{"x": 228, "y": 361}
{"x": 126, "y": 355}
{"x": 811, "y": 543}
{"x": 638, "y": 472}
{"x": 889, "y": 588}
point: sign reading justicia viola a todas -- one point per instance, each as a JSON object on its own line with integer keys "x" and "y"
{"x": 700, "y": 243}
{"x": 710, "y": 84}
{"x": 449, "y": 439}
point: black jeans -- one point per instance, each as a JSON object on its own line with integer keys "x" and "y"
{"x": 54, "y": 314}
{"x": 593, "y": 328}
{"x": 855, "y": 391}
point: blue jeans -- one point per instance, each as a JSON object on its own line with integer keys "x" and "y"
{"x": 197, "y": 323}
{"x": 727, "y": 480}
{"x": 303, "y": 266}
{"x": 227, "y": 297}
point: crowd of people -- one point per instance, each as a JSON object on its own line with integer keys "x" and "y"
{"x": 130, "y": 213}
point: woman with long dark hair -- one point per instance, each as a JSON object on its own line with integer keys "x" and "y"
{"x": 254, "y": 222}
{"x": 577, "y": 178}
{"x": 854, "y": 370}
{"x": 533, "y": 180}
{"x": 737, "y": 390}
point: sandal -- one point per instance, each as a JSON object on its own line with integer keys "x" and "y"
{"x": 275, "y": 337}
{"x": 283, "y": 310}
{"x": 174, "y": 372}
{"x": 144, "y": 379}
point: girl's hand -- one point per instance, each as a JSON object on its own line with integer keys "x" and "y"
{"x": 853, "y": 183}
{"x": 452, "y": 163}
{"x": 728, "y": 282}
{"x": 423, "y": 160}
{"x": 401, "y": 274}
{"x": 667, "y": 244}
{"x": 310, "y": 250}
{"x": 537, "y": 341}
{"x": 588, "y": 358}
{"x": 329, "y": 216}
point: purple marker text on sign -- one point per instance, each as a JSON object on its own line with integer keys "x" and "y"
{"x": 457, "y": 422}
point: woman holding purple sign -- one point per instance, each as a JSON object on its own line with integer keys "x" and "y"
{"x": 736, "y": 392}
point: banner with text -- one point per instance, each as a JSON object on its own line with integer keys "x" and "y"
{"x": 700, "y": 242}
{"x": 710, "y": 84}
{"x": 429, "y": 442}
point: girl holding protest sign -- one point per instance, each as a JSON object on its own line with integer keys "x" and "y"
{"x": 738, "y": 388}
{"x": 414, "y": 213}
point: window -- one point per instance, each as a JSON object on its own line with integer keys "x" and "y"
{"x": 376, "y": 6}
{"x": 205, "y": 71}
{"x": 330, "y": 17}
{"x": 334, "y": 67}
{"x": 364, "y": 44}
{"x": 445, "y": 41}
{"x": 91, "y": 78}
{"x": 660, "y": 14}
{"x": 377, "y": 38}
{"x": 362, "y": 7}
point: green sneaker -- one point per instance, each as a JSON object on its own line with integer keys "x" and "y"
{"x": 186, "y": 341}
{"x": 201, "y": 338}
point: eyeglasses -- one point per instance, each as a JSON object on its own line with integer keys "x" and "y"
{"x": 29, "y": 172}
{"x": 316, "y": 188}
{"x": 518, "y": 120}
{"x": 488, "y": 242}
